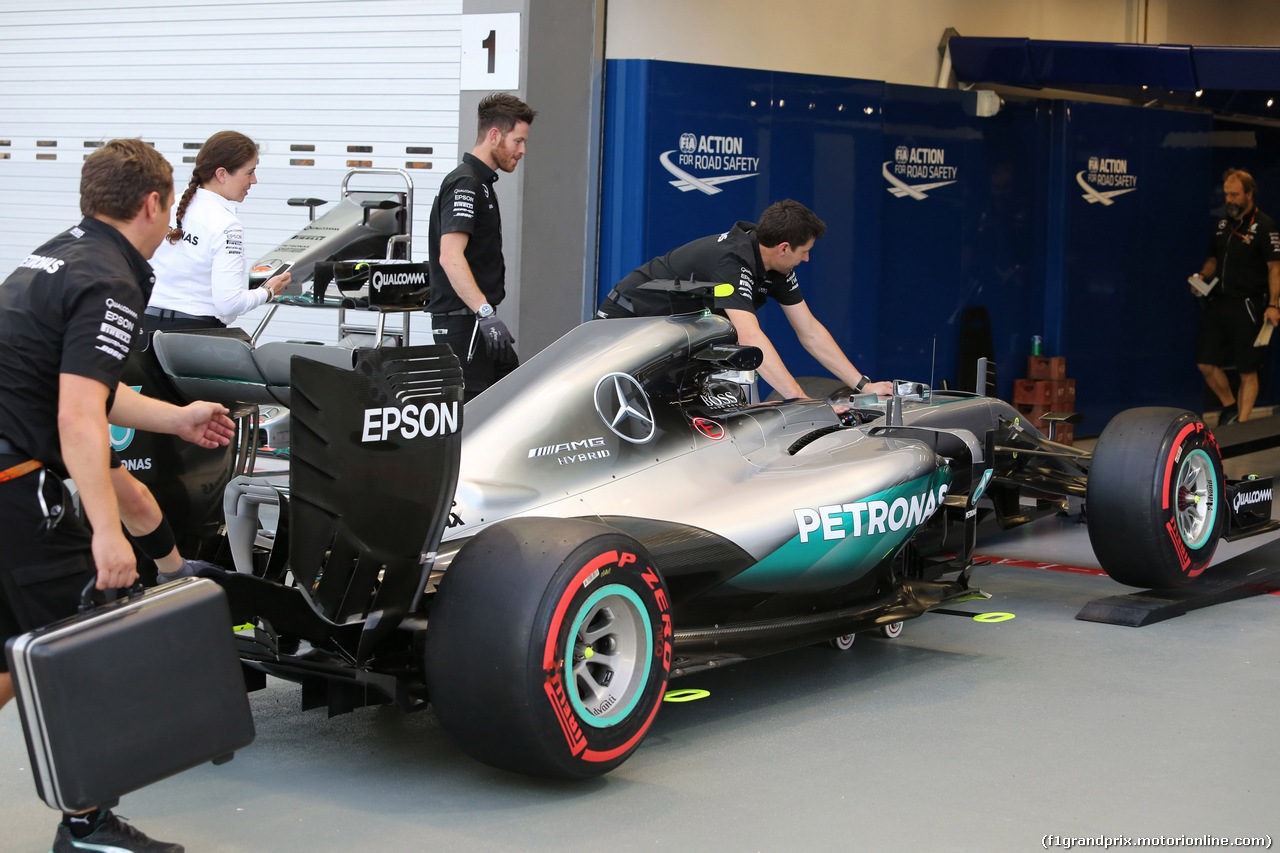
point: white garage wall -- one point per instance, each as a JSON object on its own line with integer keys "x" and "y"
{"x": 871, "y": 39}
{"x": 898, "y": 41}
{"x": 321, "y": 85}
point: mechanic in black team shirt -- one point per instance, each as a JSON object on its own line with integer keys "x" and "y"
{"x": 1244, "y": 253}
{"x": 468, "y": 274}
{"x": 69, "y": 316}
{"x": 759, "y": 260}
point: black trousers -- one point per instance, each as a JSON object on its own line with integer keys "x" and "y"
{"x": 43, "y": 565}
{"x": 152, "y": 323}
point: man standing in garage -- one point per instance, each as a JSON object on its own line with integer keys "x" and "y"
{"x": 468, "y": 273}
{"x": 759, "y": 259}
{"x": 1244, "y": 253}
{"x": 69, "y": 316}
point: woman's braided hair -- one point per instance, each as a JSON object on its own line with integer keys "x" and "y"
{"x": 226, "y": 149}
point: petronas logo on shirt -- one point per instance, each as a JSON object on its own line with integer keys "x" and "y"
{"x": 122, "y": 437}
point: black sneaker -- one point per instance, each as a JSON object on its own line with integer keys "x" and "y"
{"x": 1228, "y": 415}
{"x": 113, "y": 835}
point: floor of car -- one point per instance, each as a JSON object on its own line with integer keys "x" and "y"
{"x": 1023, "y": 730}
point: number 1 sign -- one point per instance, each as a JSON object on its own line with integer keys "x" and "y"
{"x": 491, "y": 52}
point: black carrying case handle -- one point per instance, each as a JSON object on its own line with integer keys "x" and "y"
{"x": 86, "y": 594}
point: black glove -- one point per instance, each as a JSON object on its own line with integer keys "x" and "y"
{"x": 497, "y": 337}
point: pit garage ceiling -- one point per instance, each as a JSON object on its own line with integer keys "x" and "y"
{"x": 1227, "y": 80}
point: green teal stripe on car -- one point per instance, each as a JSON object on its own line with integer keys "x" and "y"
{"x": 841, "y": 543}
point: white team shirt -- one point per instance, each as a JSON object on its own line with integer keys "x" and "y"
{"x": 205, "y": 273}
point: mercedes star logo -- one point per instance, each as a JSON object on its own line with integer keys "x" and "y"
{"x": 624, "y": 407}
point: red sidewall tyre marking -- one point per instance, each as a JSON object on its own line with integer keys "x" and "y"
{"x": 554, "y": 666}
{"x": 608, "y": 558}
{"x": 1171, "y": 463}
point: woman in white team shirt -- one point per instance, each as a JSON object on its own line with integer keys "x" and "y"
{"x": 201, "y": 271}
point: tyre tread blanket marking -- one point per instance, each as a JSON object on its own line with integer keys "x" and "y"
{"x": 554, "y": 685}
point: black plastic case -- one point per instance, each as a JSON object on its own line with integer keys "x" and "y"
{"x": 129, "y": 693}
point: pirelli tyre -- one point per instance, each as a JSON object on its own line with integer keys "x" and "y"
{"x": 1155, "y": 497}
{"x": 549, "y": 647}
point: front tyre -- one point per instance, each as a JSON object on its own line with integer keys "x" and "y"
{"x": 1155, "y": 497}
{"x": 549, "y": 647}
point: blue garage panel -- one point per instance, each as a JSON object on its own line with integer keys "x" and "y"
{"x": 692, "y": 149}
{"x": 624, "y": 170}
{"x": 927, "y": 167}
{"x": 1078, "y": 65}
{"x": 1133, "y": 233}
{"x": 1225, "y": 67}
{"x": 961, "y": 229}
{"x": 825, "y": 144}
{"x": 1227, "y": 80}
{"x": 686, "y": 154}
{"x": 1007, "y": 60}
{"x": 1078, "y": 222}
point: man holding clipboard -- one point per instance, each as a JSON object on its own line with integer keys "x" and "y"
{"x": 1240, "y": 282}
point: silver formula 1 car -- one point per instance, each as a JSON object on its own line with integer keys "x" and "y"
{"x": 615, "y": 514}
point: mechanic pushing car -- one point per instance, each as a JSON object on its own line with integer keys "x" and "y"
{"x": 465, "y": 240}
{"x": 760, "y": 260}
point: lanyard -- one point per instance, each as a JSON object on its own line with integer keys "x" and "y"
{"x": 1245, "y": 237}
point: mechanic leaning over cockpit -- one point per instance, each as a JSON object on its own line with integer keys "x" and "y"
{"x": 759, "y": 259}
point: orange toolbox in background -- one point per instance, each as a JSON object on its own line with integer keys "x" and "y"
{"x": 1047, "y": 389}
{"x": 1046, "y": 392}
{"x": 1046, "y": 367}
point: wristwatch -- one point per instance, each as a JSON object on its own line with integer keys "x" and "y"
{"x": 484, "y": 311}
{"x": 862, "y": 383}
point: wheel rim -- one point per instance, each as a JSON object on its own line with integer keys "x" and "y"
{"x": 844, "y": 642}
{"x": 1197, "y": 508}
{"x": 893, "y": 629}
{"x": 612, "y": 650}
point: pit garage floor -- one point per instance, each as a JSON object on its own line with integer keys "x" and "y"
{"x": 959, "y": 735}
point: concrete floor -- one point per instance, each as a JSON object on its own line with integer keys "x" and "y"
{"x": 959, "y": 735}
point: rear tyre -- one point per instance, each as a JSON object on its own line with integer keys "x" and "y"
{"x": 549, "y": 646}
{"x": 1155, "y": 497}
